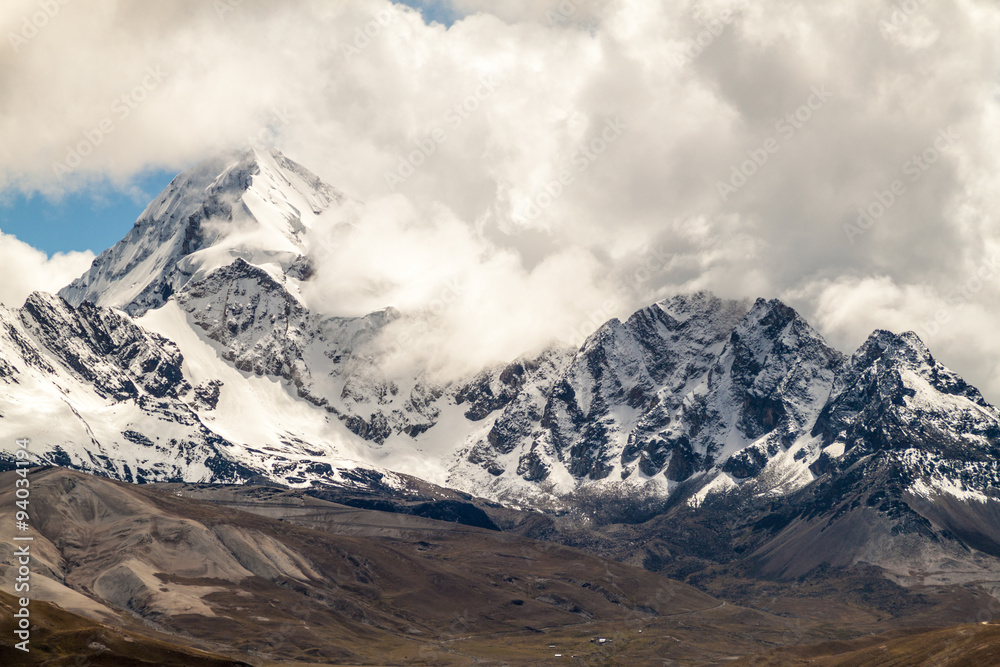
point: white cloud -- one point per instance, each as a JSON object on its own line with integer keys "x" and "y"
{"x": 957, "y": 323}
{"x": 26, "y": 270}
{"x": 469, "y": 302}
{"x": 699, "y": 96}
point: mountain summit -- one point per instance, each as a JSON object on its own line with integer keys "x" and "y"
{"x": 256, "y": 205}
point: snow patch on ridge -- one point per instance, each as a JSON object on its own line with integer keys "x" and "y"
{"x": 940, "y": 486}
{"x": 719, "y": 484}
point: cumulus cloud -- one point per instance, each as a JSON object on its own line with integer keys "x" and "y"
{"x": 958, "y": 323}
{"x": 26, "y": 270}
{"x": 468, "y": 302}
{"x": 541, "y": 151}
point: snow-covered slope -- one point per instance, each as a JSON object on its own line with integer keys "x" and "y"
{"x": 694, "y": 395}
{"x": 895, "y": 402}
{"x": 92, "y": 390}
{"x": 153, "y": 401}
{"x": 894, "y": 395}
{"x": 257, "y": 205}
{"x": 689, "y": 387}
{"x": 908, "y": 477}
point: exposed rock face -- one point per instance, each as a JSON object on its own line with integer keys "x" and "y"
{"x": 676, "y": 389}
{"x": 257, "y": 205}
{"x": 693, "y": 396}
{"x": 105, "y": 348}
{"x": 115, "y": 395}
{"x": 893, "y": 395}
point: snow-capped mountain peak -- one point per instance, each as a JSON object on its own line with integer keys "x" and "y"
{"x": 256, "y": 205}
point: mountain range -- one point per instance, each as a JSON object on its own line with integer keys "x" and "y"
{"x": 701, "y": 437}
{"x": 194, "y": 326}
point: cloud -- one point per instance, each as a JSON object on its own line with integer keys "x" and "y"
{"x": 766, "y": 148}
{"x": 26, "y": 270}
{"x": 550, "y": 12}
{"x": 467, "y": 302}
{"x": 958, "y": 324}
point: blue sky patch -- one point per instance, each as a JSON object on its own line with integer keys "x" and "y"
{"x": 91, "y": 219}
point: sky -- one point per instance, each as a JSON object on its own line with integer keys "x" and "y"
{"x": 92, "y": 219}
{"x": 532, "y": 168}
{"x": 431, "y": 11}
